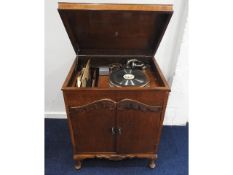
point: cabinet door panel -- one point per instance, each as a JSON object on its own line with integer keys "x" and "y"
{"x": 139, "y": 127}
{"x": 92, "y": 124}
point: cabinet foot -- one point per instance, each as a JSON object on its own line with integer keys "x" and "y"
{"x": 152, "y": 163}
{"x": 78, "y": 164}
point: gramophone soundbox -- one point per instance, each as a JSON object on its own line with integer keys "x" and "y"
{"x": 115, "y": 93}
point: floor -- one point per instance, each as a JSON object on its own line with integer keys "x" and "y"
{"x": 172, "y": 156}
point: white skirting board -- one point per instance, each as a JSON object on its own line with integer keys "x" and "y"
{"x": 62, "y": 115}
{"x": 55, "y": 115}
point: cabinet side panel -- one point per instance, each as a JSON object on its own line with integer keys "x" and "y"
{"x": 69, "y": 123}
{"x": 162, "y": 115}
{"x": 160, "y": 75}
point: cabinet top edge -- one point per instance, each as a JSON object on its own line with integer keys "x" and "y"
{"x": 108, "y": 6}
{"x": 116, "y": 89}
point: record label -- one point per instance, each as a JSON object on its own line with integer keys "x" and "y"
{"x": 128, "y": 77}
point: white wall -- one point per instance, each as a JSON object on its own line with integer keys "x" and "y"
{"x": 59, "y": 56}
{"x": 177, "y": 108}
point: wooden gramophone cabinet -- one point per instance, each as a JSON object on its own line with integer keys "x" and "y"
{"x": 111, "y": 122}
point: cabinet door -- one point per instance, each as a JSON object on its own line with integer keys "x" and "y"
{"x": 92, "y": 126}
{"x": 138, "y": 127}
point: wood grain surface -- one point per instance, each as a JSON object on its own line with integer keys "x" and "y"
{"x": 109, "y": 122}
{"x": 133, "y": 7}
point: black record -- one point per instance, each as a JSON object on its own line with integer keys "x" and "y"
{"x": 128, "y": 77}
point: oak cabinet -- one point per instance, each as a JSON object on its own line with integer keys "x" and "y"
{"x": 115, "y": 130}
{"x": 120, "y": 127}
{"x": 115, "y": 122}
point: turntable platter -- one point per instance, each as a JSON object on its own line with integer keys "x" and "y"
{"x": 128, "y": 77}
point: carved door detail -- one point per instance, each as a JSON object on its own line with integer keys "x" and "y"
{"x": 127, "y": 126}
{"x": 92, "y": 126}
{"x": 138, "y": 124}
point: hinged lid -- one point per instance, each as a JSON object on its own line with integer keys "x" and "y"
{"x": 115, "y": 29}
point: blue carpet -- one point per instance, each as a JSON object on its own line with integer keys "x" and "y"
{"x": 172, "y": 156}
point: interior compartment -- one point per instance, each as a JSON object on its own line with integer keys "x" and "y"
{"x": 102, "y": 81}
{"x": 113, "y": 36}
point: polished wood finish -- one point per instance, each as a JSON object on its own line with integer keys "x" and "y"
{"x": 96, "y": 105}
{"x": 92, "y": 124}
{"x": 154, "y": 74}
{"x": 109, "y": 122}
{"x": 113, "y": 156}
{"x": 118, "y": 30}
{"x": 139, "y": 124}
{"x": 97, "y": 110}
{"x": 119, "y": 7}
{"x": 128, "y": 104}
{"x": 103, "y": 82}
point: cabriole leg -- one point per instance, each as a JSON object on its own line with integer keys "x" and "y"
{"x": 78, "y": 164}
{"x": 152, "y": 163}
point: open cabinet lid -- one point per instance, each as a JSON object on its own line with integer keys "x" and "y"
{"x": 115, "y": 29}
